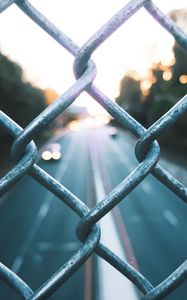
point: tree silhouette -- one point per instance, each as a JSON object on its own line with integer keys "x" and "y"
{"x": 131, "y": 99}
{"x": 18, "y": 99}
{"x": 168, "y": 84}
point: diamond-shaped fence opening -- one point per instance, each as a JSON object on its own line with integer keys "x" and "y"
{"x": 147, "y": 152}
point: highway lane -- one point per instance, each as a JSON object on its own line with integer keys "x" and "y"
{"x": 153, "y": 217}
{"x": 37, "y": 231}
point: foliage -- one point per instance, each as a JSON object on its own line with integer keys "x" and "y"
{"x": 50, "y": 95}
{"x": 164, "y": 92}
{"x": 130, "y": 98}
{"x": 18, "y": 96}
{"x": 166, "y": 88}
{"x": 18, "y": 99}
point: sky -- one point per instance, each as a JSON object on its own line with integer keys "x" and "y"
{"x": 135, "y": 45}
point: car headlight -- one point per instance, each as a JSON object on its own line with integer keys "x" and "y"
{"x": 46, "y": 155}
{"x": 56, "y": 155}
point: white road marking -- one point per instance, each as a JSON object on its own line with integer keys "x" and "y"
{"x": 170, "y": 217}
{"x": 42, "y": 213}
{"x": 112, "y": 284}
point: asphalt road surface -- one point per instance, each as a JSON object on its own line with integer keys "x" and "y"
{"x": 37, "y": 230}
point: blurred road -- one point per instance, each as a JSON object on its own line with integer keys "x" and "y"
{"x": 37, "y": 231}
{"x": 154, "y": 219}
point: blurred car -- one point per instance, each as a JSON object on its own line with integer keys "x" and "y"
{"x": 52, "y": 152}
{"x": 112, "y": 131}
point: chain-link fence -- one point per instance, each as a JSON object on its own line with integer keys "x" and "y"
{"x": 147, "y": 152}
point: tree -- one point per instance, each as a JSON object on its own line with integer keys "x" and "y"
{"x": 50, "y": 95}
{"x": 168, "y": 87}
{"x": 130, "y": 98}
{"x": 18, "y": 96}
{"x": 167, "y": 84}
{"x": 18, "y": 99}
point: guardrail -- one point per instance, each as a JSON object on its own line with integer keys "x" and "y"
{"x": 147, "y": 152}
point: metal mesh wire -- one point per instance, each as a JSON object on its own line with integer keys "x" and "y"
{"x": 147, "y": 152}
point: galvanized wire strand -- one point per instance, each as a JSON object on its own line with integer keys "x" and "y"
{"x": 153, "y": 132}
{"x": 119, "y": 193}
{"x": 52, "y": 111}
{"x": 126, "y": 269}
{"x": 170, "y": 182}
{"x": 59, "y": 190}
{"x": 169, "y": 284}
{"x": 103, "y": 33}
{"x": 162, "y": 124}
{"x": 15, "y": 282}
{"x": 167, "y": 23}
{"x": 47, "y": 26}
{"x": 139, "y": 131}
{"x": 70, "y": 267}
{"x": 24, "y": 164}
{"x": 117, "y": 112}
{"x": 4, "y": 4}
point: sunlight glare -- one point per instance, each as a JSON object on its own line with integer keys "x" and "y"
{"x": 132, "y": 47}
